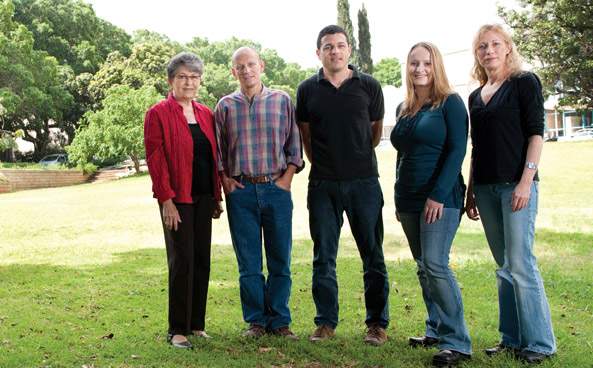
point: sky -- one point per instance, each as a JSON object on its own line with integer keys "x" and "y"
{"x": 291, "y": 27}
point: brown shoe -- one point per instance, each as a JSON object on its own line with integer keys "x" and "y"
{"x": 285, "y": 332}
{"x": 255, "y": 331}
{"x": 321, "y": 333}
{"x": 375, "y": 335}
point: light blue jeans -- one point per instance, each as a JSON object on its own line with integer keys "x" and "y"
{"x": 256, "y": 210}
{"x": 430, "y": 245}
{"x": 524, "y": 313}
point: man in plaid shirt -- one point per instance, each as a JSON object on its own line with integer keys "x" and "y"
{"x": 259, "y": 152}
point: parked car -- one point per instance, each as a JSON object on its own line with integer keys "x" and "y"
{"x": 55, "y": 159}
{"x": 584, "y": 133}
{"x": 578, "y": 135}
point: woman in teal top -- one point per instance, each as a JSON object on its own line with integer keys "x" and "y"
{"x": 430, "y": 137}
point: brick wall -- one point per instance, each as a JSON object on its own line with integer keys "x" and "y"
{"x": 31, "y": 179}
{"x": 5, "y": 186}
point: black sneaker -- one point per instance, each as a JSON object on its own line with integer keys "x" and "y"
{"x": 449, "y": 358}
{"x": 423, "y": 341}
{"x": 531, "y": 357}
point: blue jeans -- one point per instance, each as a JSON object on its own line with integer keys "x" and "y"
{"x": 524, "y": 312}
{"x": 362, "y": 200}
{"x": 256, "y": 209}
{"x": 430, "y": 245}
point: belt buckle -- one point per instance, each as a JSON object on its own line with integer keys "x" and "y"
{"x": 261, "y": 179}
{"x": 254, "y": 179}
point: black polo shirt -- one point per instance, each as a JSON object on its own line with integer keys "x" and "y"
{"x": 340, "y": 125}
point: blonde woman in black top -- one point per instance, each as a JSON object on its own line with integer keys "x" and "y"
{"x": 507, "y": 125}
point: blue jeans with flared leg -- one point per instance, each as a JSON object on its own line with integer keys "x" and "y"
{"x": 430, "y": 245}
{"x": 524, "y": 313}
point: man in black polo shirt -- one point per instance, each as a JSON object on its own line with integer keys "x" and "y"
{"x": 340, "y": 114}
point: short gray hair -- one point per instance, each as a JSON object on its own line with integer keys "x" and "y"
{"x": 186, "y": 59}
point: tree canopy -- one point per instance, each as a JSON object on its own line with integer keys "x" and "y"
{"x": 388, "y": 72}
{"x": 557, "y": 37}
{"x": 33, "y": 96}
{"x": 144, "y": 67}
{"x": 70, "y": 31}
{"x": 124, "y": 87}
{"x": 117, "y": 130}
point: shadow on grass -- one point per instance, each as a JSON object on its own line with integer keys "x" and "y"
{"x": 115, "y": 315}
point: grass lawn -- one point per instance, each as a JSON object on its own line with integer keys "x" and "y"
{"x": 83, "y": 281}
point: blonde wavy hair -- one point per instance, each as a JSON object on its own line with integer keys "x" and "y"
{"x": 440, "y": 88}
{"x": 513, "y": 62}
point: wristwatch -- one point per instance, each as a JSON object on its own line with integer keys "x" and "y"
{"x": 531, "y": 165}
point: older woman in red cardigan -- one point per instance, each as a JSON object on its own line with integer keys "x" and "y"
{"x": 180, "y": 153}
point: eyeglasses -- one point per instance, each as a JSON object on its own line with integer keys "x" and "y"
{"x": 191, "y": 78}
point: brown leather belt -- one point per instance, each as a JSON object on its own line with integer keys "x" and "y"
{"x": 261, "y": 179}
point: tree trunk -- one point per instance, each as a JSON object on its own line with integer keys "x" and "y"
{"x": 136, "y": 162}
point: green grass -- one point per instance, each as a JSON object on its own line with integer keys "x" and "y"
{"x": 80, "y": 263}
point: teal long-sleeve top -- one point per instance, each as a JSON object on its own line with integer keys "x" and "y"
{"x": 430, "y": 148}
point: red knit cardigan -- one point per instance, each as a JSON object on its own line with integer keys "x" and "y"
{"x": 170, "y": 149}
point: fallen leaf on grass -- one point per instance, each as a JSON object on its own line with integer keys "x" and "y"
{"x": 313, "y": 365}
{"x": 265, "y": 350}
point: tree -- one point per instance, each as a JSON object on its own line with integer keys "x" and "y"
{"x": 557, "y": 37}
{"x": 345, "y": 22}
{"x": 145, "y": 36}
{"x": 8, "y": 144}
{"x": 288, "y": 80}
{"x": 364, "y": 42}
{"x": 147, "y": 63}
{"x": 70, "y": 31}
{"x": 117, "y": 130}
{"x": 218, "y": 81}
{"x": 220, "y": 52}
{"x": 146, "y": 66}
{"x": 32, "y": 85}
{"x": 388, "y": 72}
